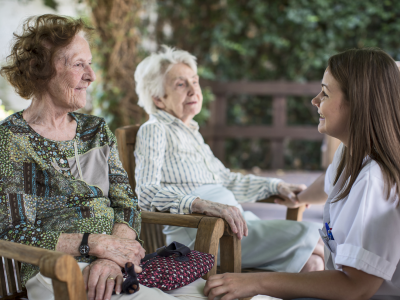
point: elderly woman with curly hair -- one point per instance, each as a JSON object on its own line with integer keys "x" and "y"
{"x": 177, "y": 172}
{"x": 62, "y": 186}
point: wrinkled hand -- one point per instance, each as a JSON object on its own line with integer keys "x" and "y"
{"x": 232, "y": 286}
{"x": 118, "y": 250}
{"x": 229, "y": 213}
{"x": 98, "y": 282}
{"x": 288, "y": 193}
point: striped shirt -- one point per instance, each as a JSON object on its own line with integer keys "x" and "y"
{"x": 172, "y": 160}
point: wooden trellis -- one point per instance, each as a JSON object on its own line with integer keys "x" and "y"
{"x": 217, "y": 129}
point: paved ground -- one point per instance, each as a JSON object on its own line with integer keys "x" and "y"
{"x": 273, "y": 211}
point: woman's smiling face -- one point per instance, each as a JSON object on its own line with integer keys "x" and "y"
{"x": 333, "y": 109}
{"x": 67, "y": 88}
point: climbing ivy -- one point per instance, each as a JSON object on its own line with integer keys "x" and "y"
{"x": 275, "y": 40}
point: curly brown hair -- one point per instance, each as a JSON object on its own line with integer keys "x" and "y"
{"x": 30, "y": 65}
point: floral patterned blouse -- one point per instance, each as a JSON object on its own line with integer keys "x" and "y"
{"x": 51, "y": 187}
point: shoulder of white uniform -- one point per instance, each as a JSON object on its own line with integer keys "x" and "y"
{"x": 373, "y": 170}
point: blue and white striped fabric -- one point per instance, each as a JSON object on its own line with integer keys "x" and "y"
{"x": 172, "y": 160}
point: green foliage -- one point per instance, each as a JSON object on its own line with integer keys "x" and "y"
{"x": 116, "y": 53}
{"x": 246, "y": 110}
{"x": 270, "y": 40}
{"x": 274, "y": 40}
{"x": 51, "y": 3}
{"x": 208, "y": 97}
{"x": 3, "y": 112}
{"x": 303, "y": 155}
{"x": 247, "y": 153}
{"x": 204, "y": 114}
{"x": 301, "y": 111}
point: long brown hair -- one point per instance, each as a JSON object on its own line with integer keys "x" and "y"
{"x": 370, "y": 81}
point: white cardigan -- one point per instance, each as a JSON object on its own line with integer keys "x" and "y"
{"x": 172, "y": 160}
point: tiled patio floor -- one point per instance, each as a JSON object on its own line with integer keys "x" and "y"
{"x": 273, "y": 211}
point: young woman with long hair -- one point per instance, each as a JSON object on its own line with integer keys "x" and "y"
{"x": 359, "y": 104}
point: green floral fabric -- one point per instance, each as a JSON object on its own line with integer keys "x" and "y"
{"x": 42, "y": 196}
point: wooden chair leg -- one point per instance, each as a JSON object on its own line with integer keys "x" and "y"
{"x": 209, "y": 232}
{"x": 295, "y": 214}
{"x": 231, "y": 254}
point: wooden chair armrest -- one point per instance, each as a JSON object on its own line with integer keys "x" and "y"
{"x": 268, "y": 200}
{"x": 166, "y": 218}
{"x": 60, "y": 267}
{"x": 209, "y": 230}
{"x": 293, "y": 214}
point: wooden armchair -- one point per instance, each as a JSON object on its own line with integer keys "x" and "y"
{"x": 64, "y": 271}
{"x": 152, "y": 234}
{"x": 60, "y": 267}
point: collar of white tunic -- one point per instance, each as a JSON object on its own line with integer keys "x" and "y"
{"x": 167, "y": 118}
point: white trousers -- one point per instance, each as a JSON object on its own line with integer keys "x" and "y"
{"x": 273, "y": 245}
{"x": 40, "y": 288}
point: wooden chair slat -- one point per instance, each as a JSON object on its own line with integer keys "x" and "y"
{"x": 149, "y": 245}
{"x": 126, "y": 137}
{"x": 3, "y": 286}
{"x": 12, "y": 288}
{"x": 154, "y": 235}
{"x": 143, "y": 236}
{"x": 161, "y": 239}
{"x": 17, "y": 268}
{"x": 150, "y": 238}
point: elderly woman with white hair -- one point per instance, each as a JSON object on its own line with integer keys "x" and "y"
{"x": 177, "y": 172}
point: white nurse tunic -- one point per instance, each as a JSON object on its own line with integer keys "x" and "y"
{"x": 365, "y": 227}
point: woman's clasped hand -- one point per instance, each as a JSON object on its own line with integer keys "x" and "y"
{"x": 119, "y": 250}
{"x": 104, "y": 274}
{"x": 230, "y": 213}
{"x": 287, "y": 193}
{"x": 102, "y": 277}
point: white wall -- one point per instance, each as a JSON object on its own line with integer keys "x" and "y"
{"x": 12, "y": 15}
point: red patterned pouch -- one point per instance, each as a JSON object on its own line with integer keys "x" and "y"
{"x": 173, "y": 267}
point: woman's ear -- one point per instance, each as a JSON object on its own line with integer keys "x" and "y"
{"x": 158, "y": 102}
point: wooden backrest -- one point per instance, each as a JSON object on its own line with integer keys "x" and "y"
{"x": 151, "y": 234}
{"x": 10, "y": 280}
{"x": 61, "y": 268}
{"x": 126, "y": 139}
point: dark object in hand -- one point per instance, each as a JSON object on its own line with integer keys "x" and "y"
{"x": 131, "y": 283}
